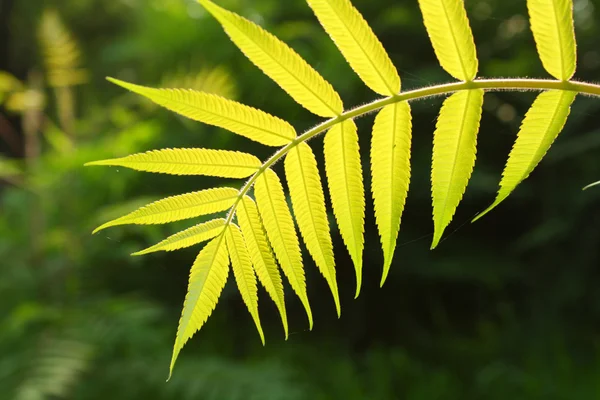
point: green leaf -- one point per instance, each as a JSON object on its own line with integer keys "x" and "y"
{"x": 278, "y": 61}
{"x": 222, "y": 163}
{"x": 344, "y": 178}
{"x": 180, "y": 207}
{"x": 214, "y": 110}
{"x": 308, "y": 202}
{"x": 187, "y": 238}
{"x": 359, "y": 45}
{"x": 261, "y": 255}
{"x": 390, "y": 174}
{"x": 244, "y": 274}
{"x": 552, "y": 27}
{"x": 207, "y": 279}
{"x": 281, "y": 232}
{"x": 454, "y": 152}
{"x": 448, "y": 28}
{"x": 542, "y": 124}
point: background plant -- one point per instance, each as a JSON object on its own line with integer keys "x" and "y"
{"x": 492, "y": 313}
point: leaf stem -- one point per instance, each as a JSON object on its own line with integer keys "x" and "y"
{"x": 521, "y": 84}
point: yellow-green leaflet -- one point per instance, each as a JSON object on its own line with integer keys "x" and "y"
{"x": 454, "y": 152}
{"x": 261, "y": 255}
{"x": 222, "y": 163}
{"x": 552, "y": 27}
{"x": 344, "y": 177}
{"x": 214, "y": 110}
{"x": 448, "y": 28}
{"x": 308, "y": 202}
{"x": 180, "y": 207}
{"x": 542, "y": 124}
{"x": 244, "y": 274}
{"x": 207, "y": 279}
{"x": 278, "y": 61}
{"x": 390, "y": 174}
{"x": 359, "y": 45}
{"x": 187, "y": 238}
{"x": 281, "y": 232}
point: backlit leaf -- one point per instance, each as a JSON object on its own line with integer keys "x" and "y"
{"x": 542, "y": 124}
{"x": 222, "y": 163}
{"x": 390, "y": 174}
{"x": 214, "y": 110}
{"x": 244, "y": 274}
{"x": 261, "y": 254}
{"x": 552, "y": 27}
{"x": 308, "y": 202}
{"x": 358, "y": 44}
{"x": 207, "y": 279}
{"x": 278, "y": 61}
{"x": 180, "y": 207}
{"x": 281, "y": 232}
{"x": 454, "y": 151}
{"x": 448, "y": 28}
{"x": 188, "y": 237}
{"x": 344, "y": 178}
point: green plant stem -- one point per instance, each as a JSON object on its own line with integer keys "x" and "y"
{"x": 584, "y": 88}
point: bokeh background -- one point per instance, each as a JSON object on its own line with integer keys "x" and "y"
{"x": 507, "y": 308}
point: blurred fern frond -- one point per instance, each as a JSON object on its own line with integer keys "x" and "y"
{"x": 55, "y": 369}
{"x": 61, "y": 52}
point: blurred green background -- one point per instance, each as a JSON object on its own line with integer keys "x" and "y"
{"x": 507, "y": 308}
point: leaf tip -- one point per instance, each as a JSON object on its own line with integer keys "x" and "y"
{"x": 358, "y": 269}
{"x": 114, "y": 80}
{"x": 484, "y": 212}
{"x": 437, "y": 236}
{"x": 357, "y": 293}
{"x": 386, "y": 269}
{"x": 97, "y": 162}
{"x": 100, "y": 228}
